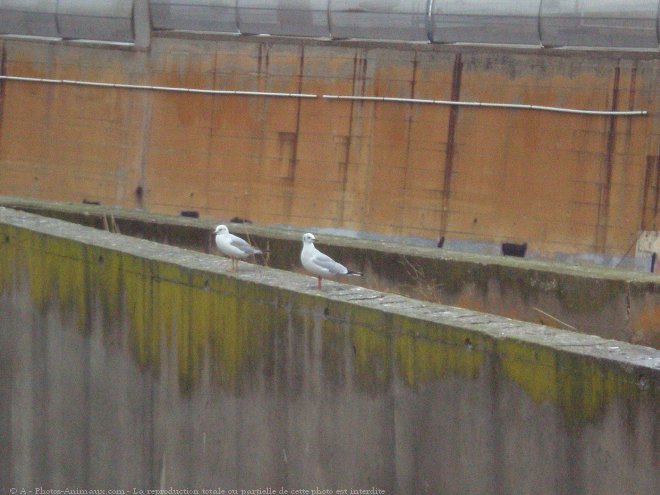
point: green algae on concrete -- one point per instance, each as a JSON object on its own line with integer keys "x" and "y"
{"x": 180, "y": 303}
{"x": 8, "y": 259}
{"x": 56, "y": 272}
{"x": 161, "y": 302}
{"x": 608, "y": 302}
{"x": 372, "y": 357}
{"x": 581, "y": 387}
{"x": 428, "y": 352}
{"x": 198, "y": 315}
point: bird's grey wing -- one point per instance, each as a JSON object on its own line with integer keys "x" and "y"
{"x": 325, "y": 261}
{"x": 241, "y": 244}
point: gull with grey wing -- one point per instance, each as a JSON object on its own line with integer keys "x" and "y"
{"x": 233, "y": 246}
{"x": 319, "y": 264}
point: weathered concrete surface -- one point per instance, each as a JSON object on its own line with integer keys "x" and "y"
{"x": 127, "y": 363}
{"x": 616, "y": 304}
{"x": 569, "y": 185}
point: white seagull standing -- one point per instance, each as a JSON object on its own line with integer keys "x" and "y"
{"x": 321, "y": 265}
{"x": 232, "y": 246}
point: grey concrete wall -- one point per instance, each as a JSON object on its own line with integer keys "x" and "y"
{"x": 127, "y": 364}
{"x": 618, "y": 304}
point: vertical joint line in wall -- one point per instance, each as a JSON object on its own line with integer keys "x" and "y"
{"x": 146, "y": 101}
{"x": 409, "y": 119}
{"x": 209, "y": 153}
{"x": 632, "y": 94}
{"x": 451, "y": 142}
{"x": 606, "y": 187}
{"x": 263, "y": 65}
{"x": 411, "y": 106}
{"x": 3, "y": 82}
{"x": 359, "y": 88}
{"x": 656, "y": 191}
{"x": 646, "y": 193}
{"x": 293, "y": 159}
{"x": 347, "y": 148}
{"x": 296, "y": 137}
{"x": 301, "y": 71}
{"x": 650, "y": 192}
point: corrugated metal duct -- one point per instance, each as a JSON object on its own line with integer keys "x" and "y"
{"x": 405, "y": 20}
{"x": 600, "y": 23}
{"x": 494, "y": 21}
{"x": 610, "y": 24}
{"x": 96, "y": 20}
{"x": 99, "y": 20}
{"x": 284, "y": 17}
{"x": 29, "y": 17}
{"x": 216, "y": 16}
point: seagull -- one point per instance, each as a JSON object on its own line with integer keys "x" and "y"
{"x": 321, "y": 265}
{"x": 233, "y": 246}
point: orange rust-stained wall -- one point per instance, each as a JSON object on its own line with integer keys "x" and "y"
{"x": 563, "y": 183}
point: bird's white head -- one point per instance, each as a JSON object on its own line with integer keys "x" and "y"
{"x": 308, "y": 238}
{"x": 221, "y": 230}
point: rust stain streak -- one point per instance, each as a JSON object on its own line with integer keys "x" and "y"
{"x": 343, "y": 169}
{"x": 656, "y": 201}
{"x": 408, "y": 123}
{"x": 451, "y": 143}
{"x": 259, "y": 135}
{"x": 263, "y": 64}
{"x": 209, "y": 149}
{"x": 3, "y": 83}
{"x": 289, "y": 191}
{"x": 348, "y": 141}
{"x": 651, "y": 193}
{"x": 606, "y": 186}
{"x": 146, "y": 101}
{"x": 633, "y": 87}
{"x": 301, "y": 69}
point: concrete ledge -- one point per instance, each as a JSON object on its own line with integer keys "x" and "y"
{"x": 202, "y": 377}
{"x": 618, "y": 304}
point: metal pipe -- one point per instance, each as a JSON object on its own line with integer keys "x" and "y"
{"x": 157, "y": 88}
{"x": 630, "y": 113}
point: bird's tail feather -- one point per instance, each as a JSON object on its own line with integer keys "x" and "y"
{"x": 354, "y": 274}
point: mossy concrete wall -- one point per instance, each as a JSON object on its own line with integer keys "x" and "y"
{"x": 125, "y": 363}
{"x": 618, "y": 304}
